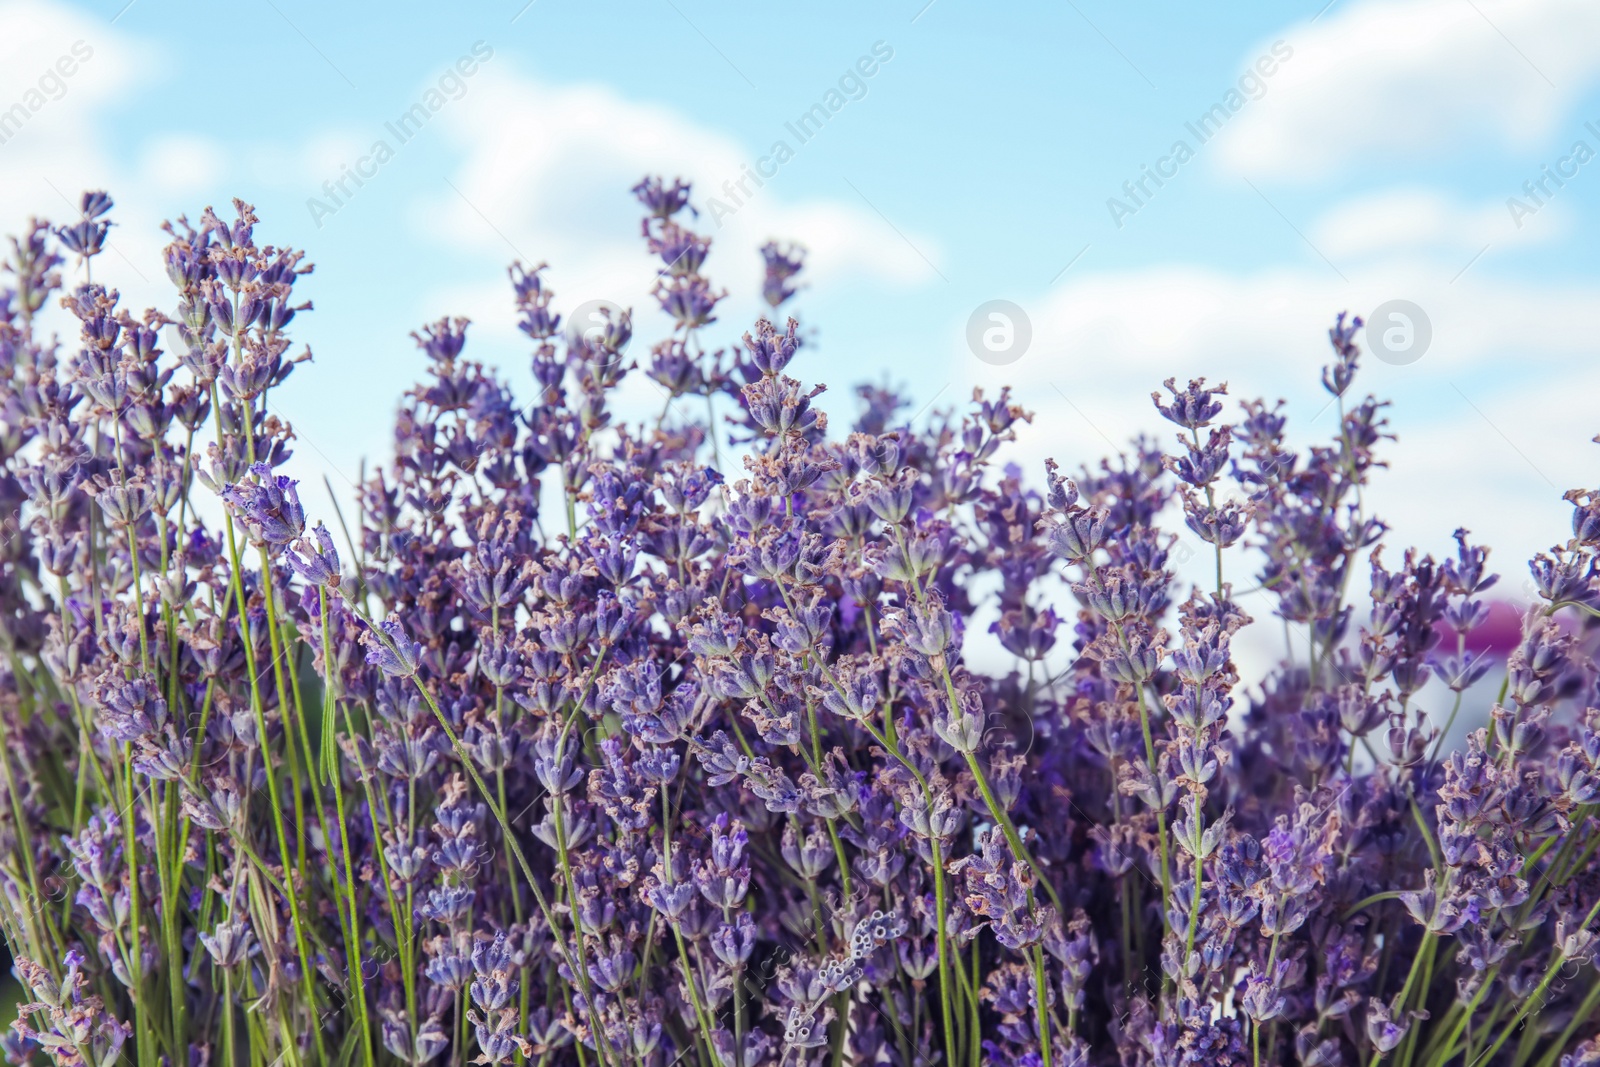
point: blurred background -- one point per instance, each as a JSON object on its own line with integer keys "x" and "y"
{"x": 1155, "y": 189}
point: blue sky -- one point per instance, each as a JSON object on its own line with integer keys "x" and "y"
{"x": 1374, "y": 163}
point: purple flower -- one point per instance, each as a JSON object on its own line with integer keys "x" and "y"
{"x": 392, "y": 652}
{"x": 317, "y": 562}
{"x": 782, "y": 262}
{"x": 269, "y": 505}
{"x": 661, "y": 200}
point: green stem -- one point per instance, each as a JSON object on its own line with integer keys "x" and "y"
{"x": 677, "y": 935}
{"x": 336, "y": 777}
{"x": 1003, "y": 819}
{"x": 1042, "y": 994}
{"x": 1584, "y": 1013}
{"x": 941, "y": 904}
{"x": 259, "y": 711}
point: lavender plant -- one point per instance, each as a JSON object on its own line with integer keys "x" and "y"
{"x": 591, "y": 741}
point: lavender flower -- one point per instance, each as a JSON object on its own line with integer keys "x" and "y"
{"x": 269, "y": 505}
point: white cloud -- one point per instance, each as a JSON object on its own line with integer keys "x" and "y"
{"x": 546, "y": 169}
{"x": 1401, "y": 220}
{"x": 56, "y": 148}
{"x": 182, "y": 164}
{"x": 47, "y": 129}
{"x": 1372, "y": 83}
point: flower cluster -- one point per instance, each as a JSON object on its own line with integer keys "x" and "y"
{"x": 586, "y": 740}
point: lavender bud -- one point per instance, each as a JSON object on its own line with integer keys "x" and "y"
{"x": 961, "y": 727}
{"x": 393, "y": 652}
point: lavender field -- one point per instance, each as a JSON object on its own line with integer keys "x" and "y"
{"x": 589, "y": 738}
